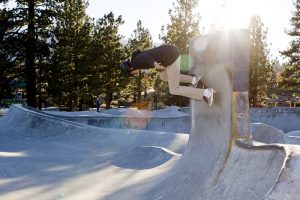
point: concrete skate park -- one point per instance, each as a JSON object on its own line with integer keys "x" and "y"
{"x": 128, "y": 154}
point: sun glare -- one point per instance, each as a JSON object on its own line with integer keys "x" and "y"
{"x": 226, "y": 14}
{"x": 233, "y": 14}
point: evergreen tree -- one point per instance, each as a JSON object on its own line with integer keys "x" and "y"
{"x": 184, "y": 24}
{"x": 290, "y": 75}
{"x": 140, "y": 40}
{"x": 28, "y": 32}
{"x": 9, "y": 64}
{"x": 273, "y": 89}
{"x": 260, "y": 69}
{"x": 68, "y": 76}
{"x": 108, "y": 53}
{"x": 30, "y": 46}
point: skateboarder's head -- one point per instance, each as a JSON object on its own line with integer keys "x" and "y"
{"x": 127, "y": 69}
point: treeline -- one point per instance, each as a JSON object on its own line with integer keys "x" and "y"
{"x": 67, "y": 58}
{"x": 269, "y": 78}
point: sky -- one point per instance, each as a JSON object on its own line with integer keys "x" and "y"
{"x": 274, "y": 14}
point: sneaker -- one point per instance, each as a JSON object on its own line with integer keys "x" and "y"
{"x": 210, "y": 100}
{"x": 198, "y": 78}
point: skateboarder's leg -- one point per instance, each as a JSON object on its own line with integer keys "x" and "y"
{"x": 182, "y": 77}
{"x": 173, "y": 75}
{"x": 163, "y": 76}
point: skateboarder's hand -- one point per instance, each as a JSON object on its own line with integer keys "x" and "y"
{"x": 159, "y": 66}
{"x": 146, "y": 76}
{"x": 134, "y": 72}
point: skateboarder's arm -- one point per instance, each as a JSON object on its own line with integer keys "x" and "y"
{"x": 159, "y": 66}
{"x": 143, "y": 61}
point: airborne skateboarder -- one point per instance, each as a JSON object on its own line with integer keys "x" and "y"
{"x": 166, "y": 59}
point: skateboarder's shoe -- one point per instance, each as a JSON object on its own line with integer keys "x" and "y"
{"x": 125, "y": 68}
{"x": 210, "y": 100}
{"x": 195, "y": 81}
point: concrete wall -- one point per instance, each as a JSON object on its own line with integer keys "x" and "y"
{"x": 286, "y": 119}
{"x": 172, "y": 124}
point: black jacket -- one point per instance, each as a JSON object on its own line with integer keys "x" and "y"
{"x": 165, "y": 54}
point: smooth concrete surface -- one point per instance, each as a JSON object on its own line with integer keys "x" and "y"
{"x": 294, "y": 133}
{"x": 179, "y": 120}
{"x": 48, "y": 158}
{"x": 270, "y": 135}
{"x": 286, "y": 119}
{"x": 176, "y": 121}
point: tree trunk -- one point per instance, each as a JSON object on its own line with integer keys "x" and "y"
{"x": 139, "y": 87}
{"x": 30, "y": 58}
{"x": 70, "y": 104}
{"x": 108, "y": 98}
{"x": 40, "y": 102}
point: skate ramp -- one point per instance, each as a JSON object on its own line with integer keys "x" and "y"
{"x": 164, "y": 120}
{"x": 80, "y": 161}
{"x": 294, "y": 133}
{"x": 48, "y": 158}
{"x": 268, "y": 134}
{"x": 221, "y": 160}
{"x": 20, "y": 122}
{"x": 277, "y": 117}
{"x": 143, "y": 157}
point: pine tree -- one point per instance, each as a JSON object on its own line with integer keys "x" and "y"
{"x": 260, "y": 69}
{"x": 68, "y": 74}
{"x": 108, "y": 54}
{"x": 9, "y": 68}
{"x": 290, "y": 75}
{"x": 184, "y": 24}
{"x": 30, "y": 46}
{"x": 29, "y": 35}
{"x": 273, "y": 89}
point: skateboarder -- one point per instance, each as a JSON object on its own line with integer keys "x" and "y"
{"x": 98, "y": 104}
{"x": 166, "y": 59}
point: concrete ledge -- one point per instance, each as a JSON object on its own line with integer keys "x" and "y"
{"x": 286, "y": 119}
{"x": 283, "y": 118}
{"x": 173, "y": 124}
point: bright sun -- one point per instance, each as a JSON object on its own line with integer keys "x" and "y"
{"x": 233, "y": 15}
{"x": 226, "y": 13}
